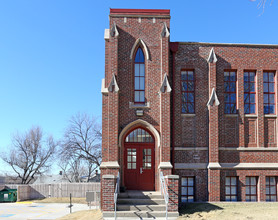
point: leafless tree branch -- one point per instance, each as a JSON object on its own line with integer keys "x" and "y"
{"x": 31, "y": 154}
{"x": 81, "y": 147}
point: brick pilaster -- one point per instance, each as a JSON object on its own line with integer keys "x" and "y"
{"x": 261, "y": 121}
{"x": 108, "y": 183}
{"x": 165, "y": 99}
{"x": 213, "y": 167}
{"x": 214, "y": 185}
{"x": 240, "y": 102}
{"x": 172, "y": 182}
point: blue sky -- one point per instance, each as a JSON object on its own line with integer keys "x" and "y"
{"x": 52, "y": 52}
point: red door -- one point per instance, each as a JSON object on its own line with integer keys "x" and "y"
{"x": 139, "y": 166}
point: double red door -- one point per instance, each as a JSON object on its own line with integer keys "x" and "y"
{"x": 139, "y": 166}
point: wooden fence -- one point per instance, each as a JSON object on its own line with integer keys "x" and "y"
{"x": 58, "y": 190}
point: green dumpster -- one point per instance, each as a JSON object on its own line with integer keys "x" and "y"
{"x": 8, "y": 195}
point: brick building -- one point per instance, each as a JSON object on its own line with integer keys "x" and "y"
{"x": 204, "y": 114}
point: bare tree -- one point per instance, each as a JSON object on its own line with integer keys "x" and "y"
{"x": 261, "y": 4}
{"x": 81, "y": 147}
{"x": 30, "y": 154}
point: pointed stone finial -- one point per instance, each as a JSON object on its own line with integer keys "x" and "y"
{"x": 213, "y": 100}
{"x": 113, "y": 85}
{"x": 165, "y": 87}
{"x": 165, "y": 32}
{"x": 212, "y": 56}
{"x": 114, "y": 31}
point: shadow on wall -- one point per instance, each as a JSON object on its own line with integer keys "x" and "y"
{"x": 191, "y": 208}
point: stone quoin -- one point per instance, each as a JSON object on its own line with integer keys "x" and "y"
{"x": 205, "y": 114}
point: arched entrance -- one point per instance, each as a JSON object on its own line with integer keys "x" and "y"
{"x": 139, "y": 160}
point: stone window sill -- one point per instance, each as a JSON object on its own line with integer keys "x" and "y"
{"x": 270, "y": 116}
{"x": 188, "y": 115}
{"x": 143, "y": 105}
{"x": 250, "y": 116}
{"x": 231, "y": 115}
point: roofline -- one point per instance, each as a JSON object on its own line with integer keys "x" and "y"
{"x": 117, "y": 12}
{"x": 228, "y": 44}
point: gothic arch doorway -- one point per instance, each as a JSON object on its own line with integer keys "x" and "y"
{"x": 139, "y": 160}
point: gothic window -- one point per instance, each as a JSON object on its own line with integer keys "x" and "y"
{"x": 139, "y": 135}
{"x": 188, "y": 91}
{"x": 269, "y": 93}
{"x": 249, "y": 93}
{"x": 139, "y": 77}
{"x": 230, "y": 92}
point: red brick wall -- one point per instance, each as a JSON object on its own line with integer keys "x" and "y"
{"x": 173, "y": 192}
{"x": 201, "y": 182}
{"x": 107, "y": 194}
{"x": 117, "y": 113}
{"x": 242, "y": 174}
{"x": 207, "y": 128}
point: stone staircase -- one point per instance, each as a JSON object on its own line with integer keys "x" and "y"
{"x": 134, "y": 204}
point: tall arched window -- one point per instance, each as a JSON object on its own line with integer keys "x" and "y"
{"x": 139, "y": 77}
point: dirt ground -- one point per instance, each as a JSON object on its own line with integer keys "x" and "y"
{"x": 207, "y": 211}
{"x": 61, "y": 200}
{"x": 83, "y": 215}
{"x": 228, "y": 211}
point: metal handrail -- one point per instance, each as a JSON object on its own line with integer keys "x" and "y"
{"x": 117, "y": 191}
{"x": 164, "y": 191}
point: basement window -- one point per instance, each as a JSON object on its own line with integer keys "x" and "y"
{"x": 231, "y": 188}
{"x": 187, "y": 189}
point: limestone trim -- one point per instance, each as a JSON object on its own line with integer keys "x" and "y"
{"x": 133, "y": 105}
{"x": 114, "y": 31}
{"x": 103, "y": 89}
{"x": 191, "y": 148}
{"x": 165, "y": 32}
{"x": 165, "y": 87}
{"x": 106, "y": 34}
{"x": 109, "y": 177}
{"x": 250, "y": 116}
{"x": 213, "y": 100}
{"x": 249, "y": 165}
{"x": 190, "y": 166}
{"x": 249, "y": 148}
{"x": 213, "y": 166}
{"x": 270, "y": 116}
{"x": 110, "y": 164}
{"x": 194, "y": 166}
{"x": 143, "y": 123}
{"x": 231, "y": 115}
{"x": 188, "y": 115}
{"x": 165, "y": 165}
{"x": 172, "y": 176}
{"x": 212, "y": 56}
{"x": 114, "y": 84}
{"x": 138, "y": 42}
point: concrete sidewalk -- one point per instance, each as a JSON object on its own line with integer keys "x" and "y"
{"x": 33, "y": 211}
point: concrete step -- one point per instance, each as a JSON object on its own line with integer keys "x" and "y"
{"x": 127, "y": 207}
{"x": 141, "y": 194}
{"x": 130, "y": 201}
{"x": 140, "y": 214}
